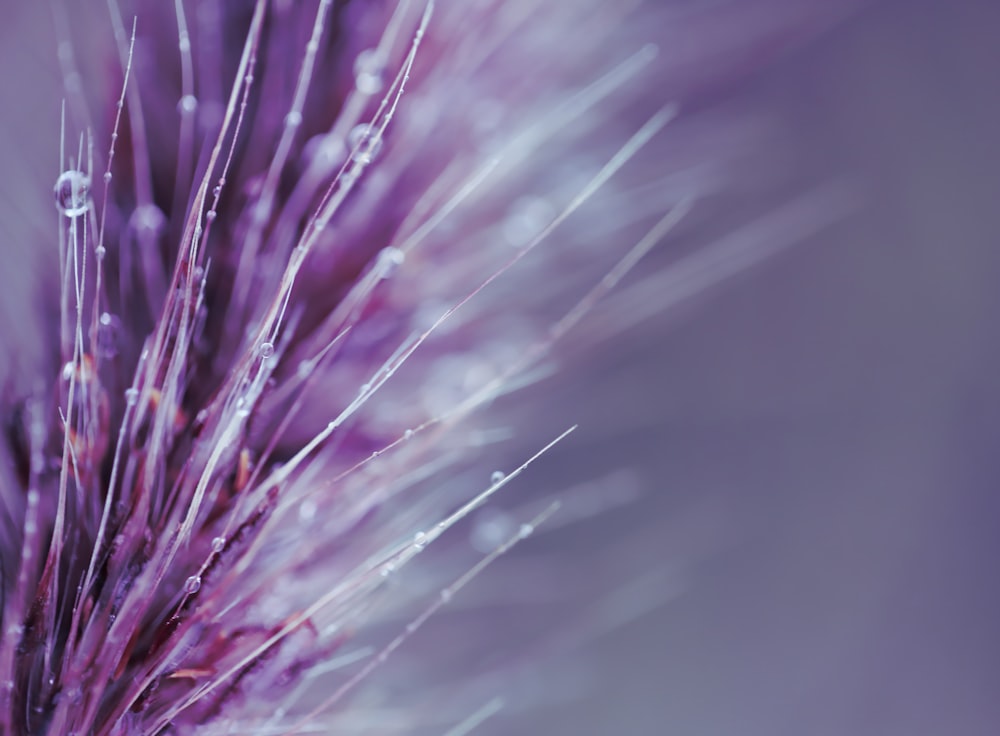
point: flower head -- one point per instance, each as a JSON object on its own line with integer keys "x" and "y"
{"x": 306, "y": 248}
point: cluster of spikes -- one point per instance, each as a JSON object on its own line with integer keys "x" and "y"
{"x": 304, "y": 250}
{"x": 268, "y": 336}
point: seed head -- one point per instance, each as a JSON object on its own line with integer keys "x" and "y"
{"x": 299, "y": 253}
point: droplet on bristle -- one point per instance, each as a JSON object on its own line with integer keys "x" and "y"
{"x": 326, "y": 149}
{"x": 108, "y": 334}
{"x": 369, "y": 72}
{"x": 266, "y": 349}
{"x": 490, "y": 528}
{"x": 526, "y": 531}
{"x": 218, "y": 544}
{"x": 497, "y": 476}
{"x": 446, "y": 595}
{"x": 307, "y": 510}
{"x": 408, "y": 434}
{"x": 361, "y": 145}
{"x": 131, "y": 396}
{"x": 192, "y": 585}
{"x": 72, "y": 192}
{"x": 187, "y": 104}
{"x": 419, "y": 540}
{"x": 147, "y": 220}
{"x": 389, "y": 259}
{"x": 526, "y": 219}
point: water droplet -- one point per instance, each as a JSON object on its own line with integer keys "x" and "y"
{"x": 304, "y": 368}
{"x": 192, "y": 585}
{"x": 526, "y": 219}
{"x": 364, "y": 148}
{"x": 266, "y": 349}
{"x": 389, "y": 259}
{"x": 387, "y": 569}
{"x": 293, "y": 119}
{"x": 218, "y": 544}
{"x": 217, "y": 190}
{"x": 369, "y": 72}
{"x": 491, "y": 528}
{"x": 100, "y": 251}
{"x": 131, "y": 396}
{"x": 211, "y": 215}
{"x": 408, "y": 434}
{"x": 497, "y": 476}
{"x": 446, "y": 595}
{"x": 109, "y": 329}
{"x": 147, "y": 220}
{"x": 72, "y": 192}
{"x": 307, "y": 510}
{"x": 326, "y": 149}
{"x": 525, "y": 531}
{"x": 188, "y": 104}
{"x": 420, "y": 540}
{"x": 107, "y": 177}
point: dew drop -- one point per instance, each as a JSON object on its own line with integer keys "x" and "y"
{"x": 325, "y": 149}
{"x": 387, "y": 569}
{"x": 188, "y": 104}
{"x": 446, "y": 595}
{"x": 389, "y": 259}
{"x": 360, "y": 143}
{"x": 192, "y": 585}
{"x": 100, "y": 251}
{"x": 266, "y": 349}
{"x": 211, "y": 215}
{"x": 293, "y": 119}
{"x": 490, "y": 528}
{"x": 109, "y": 329}
{"x": 526, "y": 219}
{"x": 147, "y": 220}
{"x": 131, "y": 396}
{"x": 107, "y": 177}
{"x": 217, "y": 190}
{"x": 369, "y": 72}
{"x": 72, "y": 192}
{"x": 307, "y": 510}
{"x": 420, "y": 540}
{"x": 525, "y": 531}
{"x": 497, "y": 476}
{"x": 408, "y": 434}
{"x": 218, "y": 544}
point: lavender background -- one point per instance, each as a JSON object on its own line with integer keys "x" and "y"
{"x": 815, "y": 443}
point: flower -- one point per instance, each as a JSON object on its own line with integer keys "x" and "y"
{"x": 305, "y": 250}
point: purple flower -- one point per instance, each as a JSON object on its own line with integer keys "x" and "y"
{"x": 307, "y": 248}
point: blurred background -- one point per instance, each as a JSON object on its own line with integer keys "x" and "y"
{"x": 813, "y": 542}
